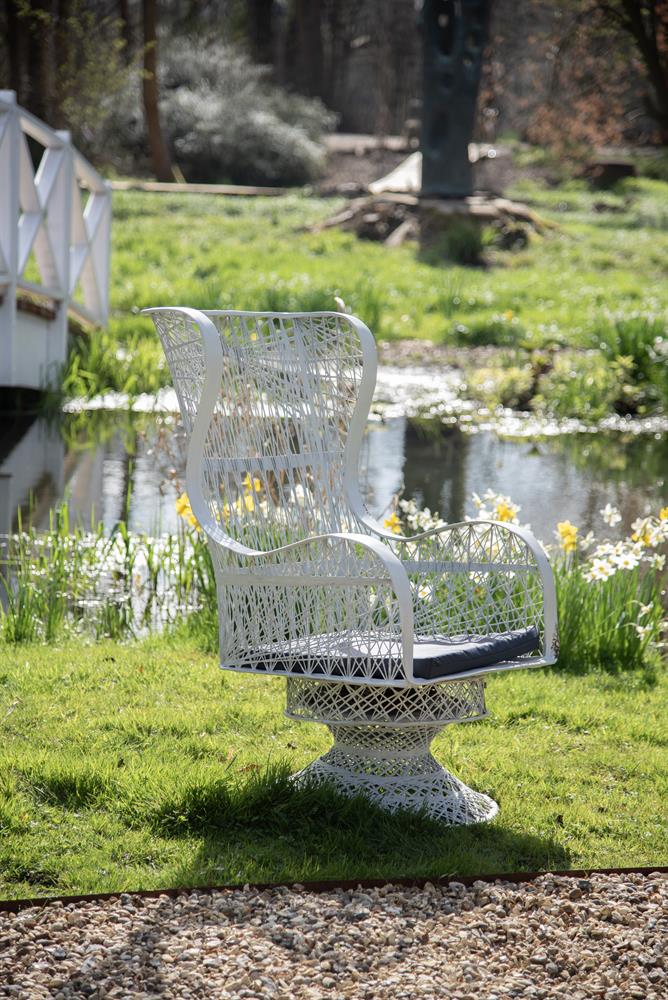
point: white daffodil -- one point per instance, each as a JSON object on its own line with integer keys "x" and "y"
{"x": 426, "y": 592}
{"x": 587, "y": 541}
{"x": 625, "y": 560}
{"x": 610, "y": 515}
{"x": 600, "y": 569}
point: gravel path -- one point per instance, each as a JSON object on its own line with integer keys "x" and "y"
{"x": 604, "y": 937}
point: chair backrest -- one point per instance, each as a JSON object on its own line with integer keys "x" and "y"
{"x": 285, "y": 424}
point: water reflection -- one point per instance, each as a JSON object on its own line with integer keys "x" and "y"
{"x": 119, "y": 465}
{"x": 570, "y": 477}
{"x": 32, "y": 464}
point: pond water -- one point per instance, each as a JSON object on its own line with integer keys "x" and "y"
{"x": 115, "y": 464}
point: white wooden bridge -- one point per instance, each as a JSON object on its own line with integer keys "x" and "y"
{"x": 55, "y": 225}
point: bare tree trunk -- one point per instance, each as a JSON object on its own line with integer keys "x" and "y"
{"x": 64, "y": 61}
{"x": 160, "y": 159}
{"x": 39, "y": 59}
{"x": 308, "y": 15}
{"x": 281, "y": 24}
{"x": 14, "y": 48}
{"x": 647, "y": 23}
{"x": 260, "y": 30}
{"x": 126, "y": 29}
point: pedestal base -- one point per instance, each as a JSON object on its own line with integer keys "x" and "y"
{"x": 389, "y": 761}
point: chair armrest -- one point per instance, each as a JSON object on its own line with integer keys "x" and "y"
{"x": 480, "y": 550}
{"x": 334, "y": 583}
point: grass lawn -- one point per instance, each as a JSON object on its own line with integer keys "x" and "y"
{"x": 601, "y": 271}
{"x": 143, "y": 765}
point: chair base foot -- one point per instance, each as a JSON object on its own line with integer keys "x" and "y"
{"x": 395, "y": 770}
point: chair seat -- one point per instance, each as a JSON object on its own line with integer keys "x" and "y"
{"x": 431, "y": 659}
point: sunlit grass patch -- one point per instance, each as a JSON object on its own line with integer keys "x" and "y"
{"x": 606, "y": 258}
{"x": 100, "y": 788}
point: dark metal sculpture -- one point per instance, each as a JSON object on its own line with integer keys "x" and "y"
{"x": 454, "y": 33}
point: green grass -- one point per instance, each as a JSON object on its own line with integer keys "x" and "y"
{"x": 139, "y": 766}
{"x": 594, "y": 282}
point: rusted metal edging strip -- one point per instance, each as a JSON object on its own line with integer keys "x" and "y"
{"x": 15, "y": 905}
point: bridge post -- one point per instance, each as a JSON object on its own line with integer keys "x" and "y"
{"x": 60, "y": 226}
{"x": 54, "y": 249}
{"x": 10, "y": 135}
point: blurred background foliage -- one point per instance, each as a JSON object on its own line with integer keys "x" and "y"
{"x": 244, "y": 90}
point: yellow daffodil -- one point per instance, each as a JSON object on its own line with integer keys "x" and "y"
{"x": 508, "y": 314}
{"x": 241, "y": 504}
{"x": 184, "y": 510}
{"x": 251, "y": 485}
{"x": 393, "y": 523}
{"x": 663, "y": 514}
{"x": 568, "y": 536}
{"x": 504, "y": 512}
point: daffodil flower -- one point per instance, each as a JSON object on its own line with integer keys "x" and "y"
{"x": 568, "y": 536}
{"x": 626, "y": 560}
{"x": 393, "y": 523}
{"x": 184, "y": 510}
{"x": 600, "y": 569}
{"x": 504, "y": 511}
{"x": 610, "y": 515}
{"x": 253, "y": 485}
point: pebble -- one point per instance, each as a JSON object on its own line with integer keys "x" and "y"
{"x": 601, "y": 938}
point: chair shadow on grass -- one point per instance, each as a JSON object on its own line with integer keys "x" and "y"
{"x": 265, "y": 829}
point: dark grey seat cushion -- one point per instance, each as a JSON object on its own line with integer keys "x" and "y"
{"x": 431, "y": 660}
{"x": 438, "y": 659}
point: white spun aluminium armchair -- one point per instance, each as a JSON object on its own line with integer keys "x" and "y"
{"x": 384, "y": 639}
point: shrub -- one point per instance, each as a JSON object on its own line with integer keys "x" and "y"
{"x": 224, "y": 120}
{"x": 654, "y": 167}
{"x": 507, "y": 386}
{"x": 503, "y": 330}
{"x": 460, "y": 240}
{"x": 580, "y": 384}
{"x": 640, "y": 342}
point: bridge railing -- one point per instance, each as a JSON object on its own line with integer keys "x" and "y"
{"x": 55, "y": 226}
